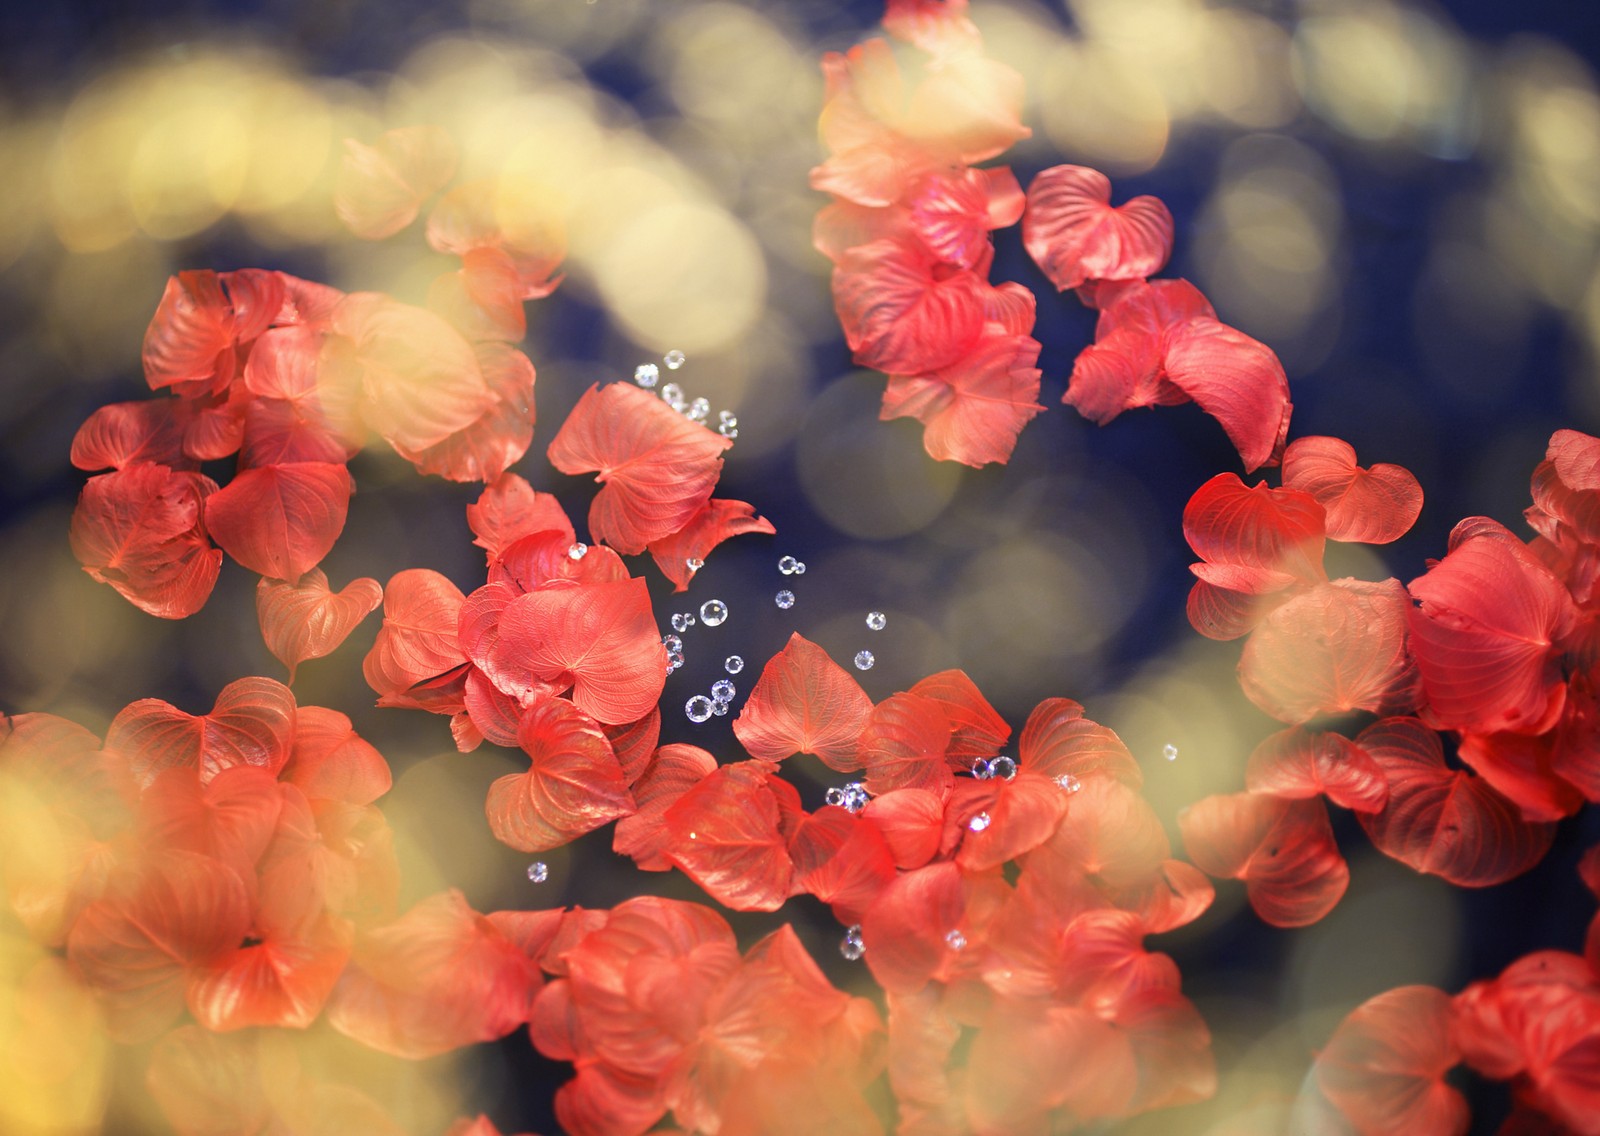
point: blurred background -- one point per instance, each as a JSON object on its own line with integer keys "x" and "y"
{"x": 1403, "y": 199}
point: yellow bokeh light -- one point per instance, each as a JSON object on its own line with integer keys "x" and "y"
{"x": 1097, "y": 111}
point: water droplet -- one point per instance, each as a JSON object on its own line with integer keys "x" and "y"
{"x": 699, "y": 409}
{"x": 694, "y": 564}
{"x": 719, "y": 708}
{"x": 674, "y": 359}
{"x": 981, "y": 769}
{"x": 682, "y": 621}
{"x": 713, "y": 612}
{"x": 979, "y": 822}
{"x": 728, "y": 424}
{"x": 834, "y": 797}
{"x": 672, "y": 642}
{"x": 956, "y": 941}
{"x": 672, "y": 395}
{"x": 854, "y": 797}
{"x": 1170, "y": 752}
{"x": 1069, "y": 783}
{"x": 1003, "y": 767}
{"x": 538, "y": 871}
{"x": 864, "y": 660}
{"x": 674, "y": 660}
{"x": 852, "y": 947}
{"x": 646, "y": 374}
{"x": 698, "y": 708}
{"x": 784, "y": 599}
{"x": 799, "y": 567}
{"x": 578, "y": 551}
{"x": 733, "y": 664}
{"x": 722, "y": 690}
{"x": 728, "y": 430}
{"x": 876, "y": 620}
{"x": 786, "y": 565}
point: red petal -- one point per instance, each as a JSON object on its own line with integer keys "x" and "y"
{"x": 252, "y": 723}
{"x": 1484, "y": 634}
{"x": 122, "y": 433}
{"x": 902, "y": 745}
{"x": 1222, "y": 613}
{"x": 380, "y": 187}
{"x": 141, "y": 530}
{"x": 1238, "y": 381}
{"x": 1024, "y": 815}
{"x": 673, "y": 771}
{"x": 190, "y": 338}
{"x": 1333, "y": 648}
{"x": 600, "y": 638}
{"x": 912, "y": 822}
{"x": 332, "y": 762}
{"x": 1374, "y": 505}
{"x": 635, "y": 743}
{"x": 1117, "y": 372}
{"x": 420, "y": 379}
{"x": 439, "y": 977}
{"x": 1254, "y": 539}
{"x": 540, "y": 559}
{"x": 1444, "y": 821}
{"x": 231, "y": 818}
{"x": 969, "y": 105}
{"x": 1111, "y": 834}
{"x": 482, "y": 299}
{"x": 904, "y": 931}
{"x": 725, "y": 835}
{"x": 657, "y": 467}
{"x": 1299, "y": 763}
{"x": 479, "y": 215}
{"x": 950, "y": 213}
{"x": 500, "y": 436}
{"x": 1284, "y": 851}
{"x": 135, "y": 947}
{"x": 974, "y": 408}
{"x": 1384, "y": 1067}
{"x": 899, "y": 313}
{"x": 510, "y": 508}
{"x": 712, "y": 525}
{"x": 417, "y": 641}
{"x": 935, "y": 26}
{"x": 284, "y": 981}
{"x": 1073, "y": 233}
{"x": 206, "y": 1083}
{"x": 1523, "y": 768}
{"x": 804, "y": 702}
{"x": 574, "y": 785}
{"x": 280, "y": 520}
{"x": 308, "y": 620}
{"x": 976, "y": 728}
{"x": 1059, "y": 741}
{"x": 843, "y": 860}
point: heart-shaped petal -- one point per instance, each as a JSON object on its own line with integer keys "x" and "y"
{"x": 307, "y": 619}
{"x": 252, "y": 723}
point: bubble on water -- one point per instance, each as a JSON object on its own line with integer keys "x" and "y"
{"x": 698, "y": 410}
{"x": 851, "y": 947}
{"x": 982, "y": 770}
{"x": 876, "y": 620}
{"x": 854, "y": 797}
{"x": 979, "y": 822}
{"x": 682, "y": 621}
{"x": 786, "y": 565}
{"x": 538, "y": 871}
{"x": 733, "y": 664}
{"x": 698, "y": 708}
{"x": 864, "y": 660}
{"x": 799, "y": 567}
{"x": 784, "y": 599}
{"x": 672, "y": 642}
{"x": 719, "y": 708}
{"x": 674, "y": 660}
{"x": 694, "y": 564}
{"x": 578, "y": 551}
{"x": 956, "y": 941}
{"x": 1170, "y": 752}
{"x": 672, "y": 395}
{"x": 834, "y": 797}
{"x": 646, "y": 374}
{"x": 674, "y": 359}
{"x": 713, "y": 612}
{"x": 723, "y": 690}
{"x": 1069, "y": 783}
{"x": 1003, "y": 767}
